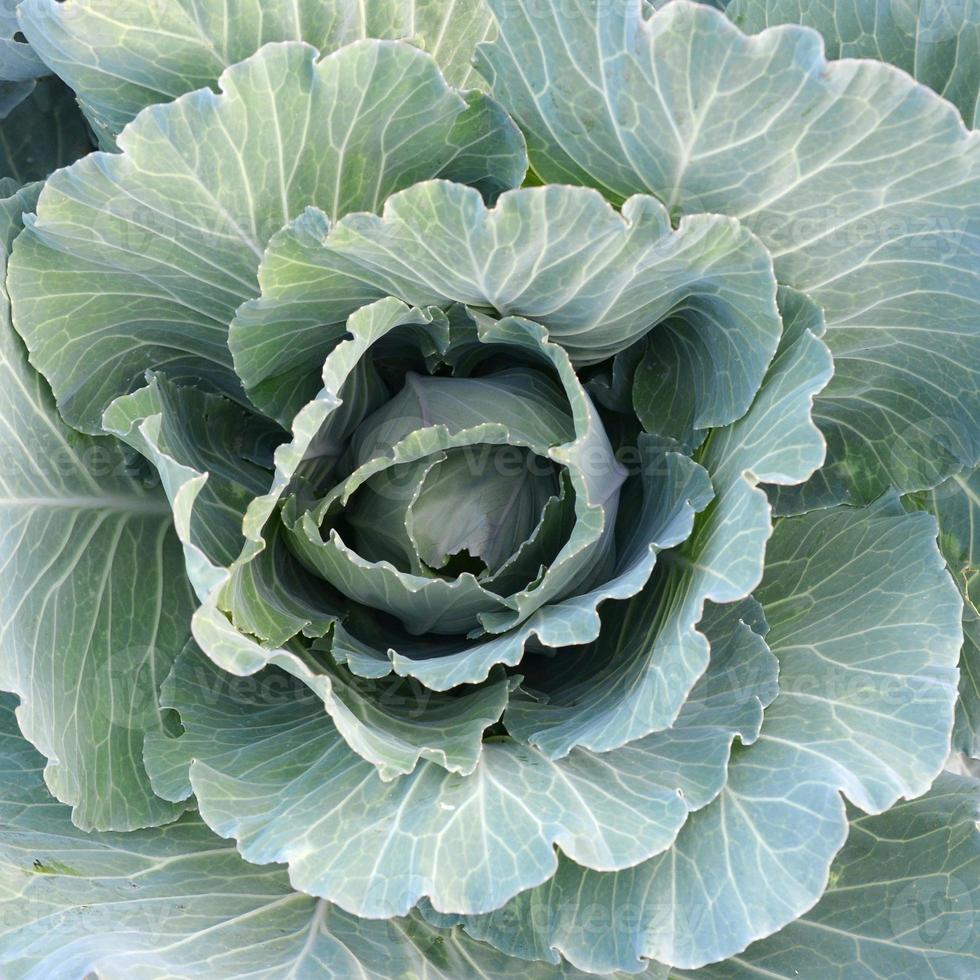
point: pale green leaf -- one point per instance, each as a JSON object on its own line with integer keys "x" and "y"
{"x": 298, "y": 793}
{"x": 392, "y": 724}
{"x": 138, "y": 260}
{"x": 901, "y": 903}
{"x": 865, "y": 625}
{"x": 192, "y": 439}
{"x": 875, "y": 680}
{"x": 936, "y": 41}
{"x": 18, "y": 61}
{"x": 956, "y": 506}
{"x": 727, "y": 700}
{"x": 177, "y": 903}
{"x": 132, "y": 54}
{"x": 672, "y": 375}
{"x": 863, "y": 185}
{"x": 597, "y": 280}
{"x": 95, "y": 604}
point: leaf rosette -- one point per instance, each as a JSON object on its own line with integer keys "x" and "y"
{"x": 490, "y": 620}
{"x": 452, "y": 521}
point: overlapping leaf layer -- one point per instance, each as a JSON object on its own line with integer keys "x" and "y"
{"x": 508, "y": 469}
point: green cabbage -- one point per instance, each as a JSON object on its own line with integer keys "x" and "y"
{"x": 509, "y": 469}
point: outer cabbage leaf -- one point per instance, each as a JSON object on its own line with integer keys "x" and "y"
{"x": 138, "y": 260}
{"x": 862, "y": 185}
{"x": 95, "y": 604}
{"x": 123, "y": 58}
{"x": 177, "y": 902}
{"x": 18, "y": 61}
{"x": 297, "y": 792}
{"x": 966, "y": 735}
{"x": 595, "y": 278}
{"x": 901, "y": 902}
{"x": 862, "y": 682}
{"x": 728, "y": 700}
{"x": 936, "y": 41}
{"x": 956, "y": 505}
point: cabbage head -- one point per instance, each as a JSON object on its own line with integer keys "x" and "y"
{"x": 489, "y": 489}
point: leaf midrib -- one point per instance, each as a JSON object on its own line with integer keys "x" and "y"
{"x": 111, "y": 502}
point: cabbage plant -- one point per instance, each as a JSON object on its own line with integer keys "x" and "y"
{"x": 489, "y": 489}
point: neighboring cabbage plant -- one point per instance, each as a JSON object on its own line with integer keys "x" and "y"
{"x": 510, "y": 470}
